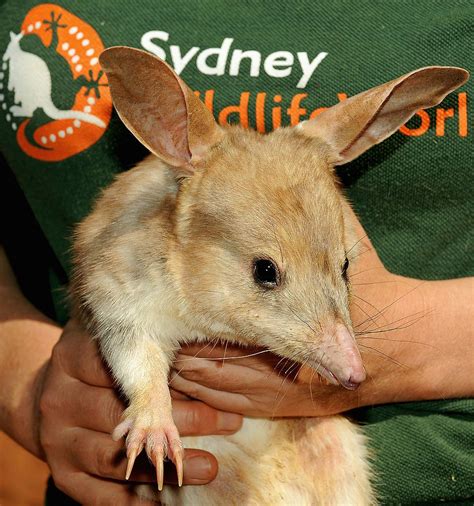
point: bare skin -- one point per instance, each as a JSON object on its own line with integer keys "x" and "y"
{"x": 416, "y": 339}
{"x": 57, "y": 398}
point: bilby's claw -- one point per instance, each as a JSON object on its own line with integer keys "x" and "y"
{"x": 179, "y": 470}
{"x": 132, "y": 455}
{"x": 176, "y": 454}
{"x": 159, "y": 440}
{"x": 159, "y": 471}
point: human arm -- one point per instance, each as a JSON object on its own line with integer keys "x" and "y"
{"x": 416, "y": 340}
{"x": 27, "y": 338}
{"x": 58, "y": 402}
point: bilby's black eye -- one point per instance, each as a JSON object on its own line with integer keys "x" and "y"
{"x": 265, "y": 273}
{"x": 344, "y": 269}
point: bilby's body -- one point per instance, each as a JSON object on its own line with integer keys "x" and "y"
{"x": 304, "y": 461}
{"x": 232, "y": 235}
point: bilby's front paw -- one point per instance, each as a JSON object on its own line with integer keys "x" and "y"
{"x": 160, "y": 440}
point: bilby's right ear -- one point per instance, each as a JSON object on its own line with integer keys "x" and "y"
{"x": 359, "y": 122}
{"x": 158, "y": 107}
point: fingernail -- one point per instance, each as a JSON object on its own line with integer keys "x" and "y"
{"x": 228, "y": 422}
{"x": 198, "y": 468}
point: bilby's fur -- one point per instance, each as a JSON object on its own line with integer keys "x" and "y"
{"x": 309, "y": 461}
{"x": 149, "y": 261}
{"x": 167, "y": 254}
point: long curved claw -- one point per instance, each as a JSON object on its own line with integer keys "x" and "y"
{"x": 158, "y": 440}
{"x": 179, "y": 470}
{"x": 134, "y": 451}
{"x": 177, "y": 454}
{"x": 158, "y": 461}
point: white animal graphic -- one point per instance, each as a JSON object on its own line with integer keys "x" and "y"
{"x": 30, "y": 80}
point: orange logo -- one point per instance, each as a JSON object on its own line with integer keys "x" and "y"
{"x": 57, "y": 96}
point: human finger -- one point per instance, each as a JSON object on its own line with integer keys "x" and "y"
{"x": 91, "y": 407}
{"x": 220, "y": 358}
{"x": 179, "y": 396}
{"x": 194, "y": 418}
{"x": 226, "y": 401}
{"x": 87, "y": 489}
{"x": 100, "y": 409}
{"x": 240, "y": 376}
{"x": 96, "y": 453}
{"x": 80, "y": 358}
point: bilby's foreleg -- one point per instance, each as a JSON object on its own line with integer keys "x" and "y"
{"x": 141, "y": 366}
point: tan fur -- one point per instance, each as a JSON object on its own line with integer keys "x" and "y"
{"x": 356, "y": 124}
{"x": 121, "y": 254}
{"x": 302, "y": 462}
{"x": 163, "y": 260}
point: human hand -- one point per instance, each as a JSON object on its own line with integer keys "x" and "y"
{"x": 250, "y": 381}
{"x": 78, "y": 410}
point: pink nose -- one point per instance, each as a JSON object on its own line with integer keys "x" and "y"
{"x": 349, "y": 369}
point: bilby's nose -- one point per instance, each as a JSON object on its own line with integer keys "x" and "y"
{"x": 351, "y": 372}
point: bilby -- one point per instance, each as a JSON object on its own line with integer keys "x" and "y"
{"x": 227, "y": 234}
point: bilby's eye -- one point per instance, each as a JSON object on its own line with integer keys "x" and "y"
{"x": 265, "y": 273}
{"x": 344, "y": 270}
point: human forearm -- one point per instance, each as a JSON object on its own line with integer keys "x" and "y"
{"x": 452, "y": 328}
{"x": 420, "y": 347}
{"x": 416, "y": 339}
{"x": 26, "y": 341}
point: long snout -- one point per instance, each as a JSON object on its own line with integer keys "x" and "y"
{"x": 338, "y": 358}
{"x": 351, "y": 372}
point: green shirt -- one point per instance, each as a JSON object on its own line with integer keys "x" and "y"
{"x": 262, "y": 64}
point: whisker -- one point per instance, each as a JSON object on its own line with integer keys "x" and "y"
{"x": 404, "y": 295}
{"x": 397, "y": 341}
{"x": 384, "y": 355}
{"x": 275, "y": 402}
{"x": 370, "y": 317}
{"x": 355, "y": 244}
{"x": 282, "y": 359}
{"x": 292, "y": 367}
{"x": 383, "y": 310}
{"x": 260, "y": 352}
{"x": 302, "y": 321}
{"x": 374, "y": 283}
{"x": 379, "y": 312}
{"x": 195, "y": 356}
{"x": 360, "y": 253}
{"x": 406, "y": 325}
{"x": 223, "y": 362}
{"x": 423, "y": 314}
{"x": 284, "y": 395}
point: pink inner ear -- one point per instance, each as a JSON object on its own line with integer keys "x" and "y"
{"x": 401, "y": 98}
{"x": 167, "y": 128}
{"x": 354, "y": 125}
{"x": 150, "y": 101}
{"x": 158, "y": 108}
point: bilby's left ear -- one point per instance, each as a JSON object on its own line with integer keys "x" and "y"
{"x": 159, "y": 109}
{"x": 357, "y": 123}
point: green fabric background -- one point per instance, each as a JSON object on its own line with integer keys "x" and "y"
{"x": 414, "y": 194}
